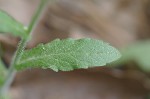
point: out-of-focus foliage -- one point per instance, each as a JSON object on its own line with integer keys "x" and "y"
{"x": 5, "y": 97}
{"x": 10, "y": 25}
{"x": 3, "y": 72}
{"x": 138, "y": 52}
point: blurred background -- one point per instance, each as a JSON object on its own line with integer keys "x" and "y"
{"x": 125, "y": 24}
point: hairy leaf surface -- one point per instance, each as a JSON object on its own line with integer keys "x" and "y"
{"x": 69, "y": 54}
{"x": 10, "y": 25}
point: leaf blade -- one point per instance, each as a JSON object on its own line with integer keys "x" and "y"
{"x": 10, "y": 25}
{"x": 69, "y": 54}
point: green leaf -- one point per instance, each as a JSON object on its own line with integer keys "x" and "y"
{"x": 69, "y": 54}
{"x": 138, "y": 52}
{"x": 10, "y": 25}
{"x": 3, "y": 72}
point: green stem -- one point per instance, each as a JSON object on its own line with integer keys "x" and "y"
{"x": 12, "y": 72}
{"x": 36, "y": 16}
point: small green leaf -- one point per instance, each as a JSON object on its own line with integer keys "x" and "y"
{"x": 3, "y": 73}
{"x": 138, "y": 52}
{"x": 69, "y": 54}
{"x": 10, "y": 25}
